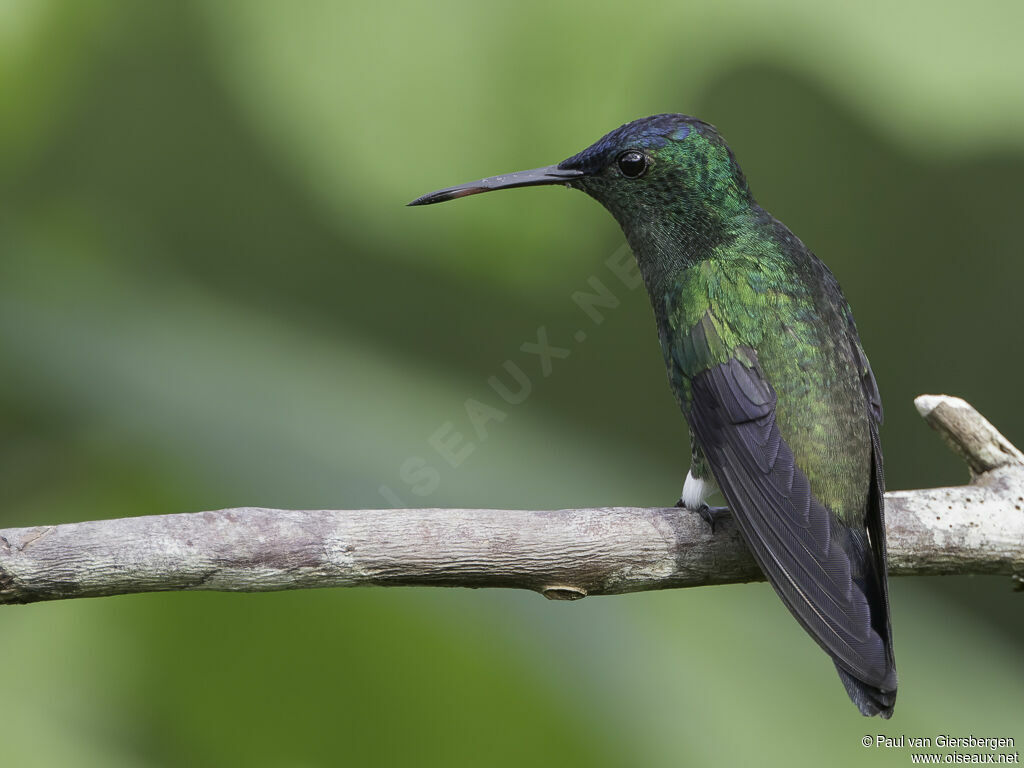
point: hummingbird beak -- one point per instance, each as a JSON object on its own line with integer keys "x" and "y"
{"x": 551, "y": 174}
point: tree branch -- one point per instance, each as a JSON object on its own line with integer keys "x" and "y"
{"x": 563, "y": 554}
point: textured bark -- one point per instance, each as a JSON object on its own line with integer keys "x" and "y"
{"x": 563, "y": 554}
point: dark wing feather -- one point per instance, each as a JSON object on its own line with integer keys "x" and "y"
{"x": 815, "y": 563}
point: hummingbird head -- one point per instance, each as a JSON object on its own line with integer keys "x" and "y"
{"x": 652, "y": 171}
{"x": 649, "y": 168}
{"x": 670, "y": 180}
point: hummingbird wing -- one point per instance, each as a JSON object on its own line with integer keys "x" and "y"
{"x": 824, "y": 570}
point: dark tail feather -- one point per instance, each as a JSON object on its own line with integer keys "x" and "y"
{"x": 869, "y": 700}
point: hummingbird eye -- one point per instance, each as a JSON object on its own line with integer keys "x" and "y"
{"x": 632, "y": 163}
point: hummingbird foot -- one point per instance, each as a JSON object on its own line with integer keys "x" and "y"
{"x": 694, "y": 498}
{"x": 712, "y": 515}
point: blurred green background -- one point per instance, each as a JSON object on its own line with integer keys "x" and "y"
{"x": 211, "y": 296}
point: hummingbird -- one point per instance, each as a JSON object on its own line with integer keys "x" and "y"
{"x": 766, "y": 364}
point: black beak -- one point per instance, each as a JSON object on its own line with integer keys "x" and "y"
{"x": 552, "y": 174}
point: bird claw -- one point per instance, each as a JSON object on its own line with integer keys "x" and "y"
{"x": 712, "y": 515}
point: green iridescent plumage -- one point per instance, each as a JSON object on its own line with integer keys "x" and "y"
{"x": 764, "y": 359}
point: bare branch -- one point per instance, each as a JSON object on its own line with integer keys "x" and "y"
{"x": 563, "y": 554}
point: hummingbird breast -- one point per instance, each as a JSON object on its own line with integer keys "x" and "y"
{"x": 765, "y": 291}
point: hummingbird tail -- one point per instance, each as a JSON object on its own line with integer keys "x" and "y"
{"x": 870, "y": 700}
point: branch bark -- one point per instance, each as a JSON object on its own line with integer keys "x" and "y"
{"x": 563, "y": 554}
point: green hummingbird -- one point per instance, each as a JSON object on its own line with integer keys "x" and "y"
{"x": 767, "y": 366}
